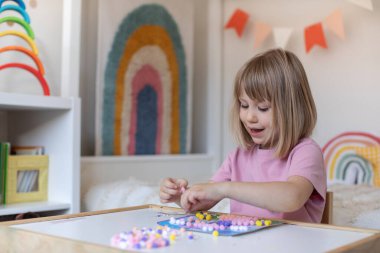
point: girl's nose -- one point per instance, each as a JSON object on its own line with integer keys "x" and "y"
{"x": 251, "y": 115}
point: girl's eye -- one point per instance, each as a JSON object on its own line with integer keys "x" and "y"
{"x": 244, "y": 106}
{"x": 263, "y": 109}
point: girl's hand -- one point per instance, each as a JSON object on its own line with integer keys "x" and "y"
{"x": 171, "y": 189}
{"x": 201, "y": 197}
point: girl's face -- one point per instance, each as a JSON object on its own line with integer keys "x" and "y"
{"x": 257, "y": 118}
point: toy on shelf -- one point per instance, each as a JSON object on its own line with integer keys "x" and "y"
{"x": 20, "y": 3}
{"x": 27, "y": 52}
{"x": 18, "y": 9}
{"x": 29, "y": 36}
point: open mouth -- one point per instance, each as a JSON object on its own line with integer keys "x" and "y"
{"x": 255, "y": 131}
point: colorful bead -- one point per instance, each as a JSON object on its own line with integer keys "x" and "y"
{"x": 145, "y": 238}
{"x": 172, "y": 237}
{"x": 268, "y": 222}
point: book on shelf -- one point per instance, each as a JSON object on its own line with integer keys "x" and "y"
{"x": 28, "y": 150}
{"x": 4, "y": 154}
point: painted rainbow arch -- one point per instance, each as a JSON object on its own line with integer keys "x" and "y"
{"x": 354, "y": 158}
{"x": 145, "y": 96}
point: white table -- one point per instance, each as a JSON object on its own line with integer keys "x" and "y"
{"x": 91, "y": 232}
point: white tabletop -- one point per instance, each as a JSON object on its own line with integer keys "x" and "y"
{"x": 99, "y": 229}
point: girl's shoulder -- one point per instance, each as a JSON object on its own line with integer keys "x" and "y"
{"x": 307, "y": 144}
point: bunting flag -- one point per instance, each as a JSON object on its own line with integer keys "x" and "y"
{"x": 238, "y": 21}
{"x": 335, "y": 23}
{"x": 262, "y": 32}
{"x": 366, "y": 4}
{"x": 282, "y": 35}
{"x": 314, "y": 36}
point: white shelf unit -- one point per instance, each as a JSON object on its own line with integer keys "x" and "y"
{"x": 52, "y": 122}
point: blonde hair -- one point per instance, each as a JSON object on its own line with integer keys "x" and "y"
{"x": 276, "y": 76}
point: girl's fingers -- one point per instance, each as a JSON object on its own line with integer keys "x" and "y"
{"x": 184, "y": 202}
{"x": 170, "y": 191}
{"x": 170, "y": 183}
{"x": 193, "y": 200}
{"x": 164, "y": 196}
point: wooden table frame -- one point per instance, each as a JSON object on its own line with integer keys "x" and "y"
{"x": 18, "y": 240}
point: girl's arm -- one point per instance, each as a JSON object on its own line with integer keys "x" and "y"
{"x": 286, "y": 196}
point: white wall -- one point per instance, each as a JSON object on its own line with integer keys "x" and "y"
{"x": 344, "y": 79}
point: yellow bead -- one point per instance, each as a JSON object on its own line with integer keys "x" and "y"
{"x": 268, "y": 222}
{"x": 259, "y": 223}
{"x": 201, "y": 217}
{"x": 208, "y": 217}
{"x": 215, "y": 233}
{"x": 172, "y": 237}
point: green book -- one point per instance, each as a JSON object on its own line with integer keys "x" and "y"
{"x": 6, "y": 156}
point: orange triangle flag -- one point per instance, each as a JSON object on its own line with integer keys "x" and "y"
{"x": 314, "y": 36}
{"x": 335, "y": 23}
{"x": 261, "y": 33}
{"x": 238, "y": 21}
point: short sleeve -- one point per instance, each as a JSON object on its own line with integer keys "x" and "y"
{"x": 223, "y": 174}
{"x": 307, "y": 161}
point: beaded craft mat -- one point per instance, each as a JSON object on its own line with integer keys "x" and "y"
{"x": 225, "y": 225}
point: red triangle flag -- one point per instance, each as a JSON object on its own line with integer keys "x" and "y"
{"x": 238, "y": 21}
{"x": 314, "y": 36}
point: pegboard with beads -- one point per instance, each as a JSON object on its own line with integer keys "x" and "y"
{"x": 218, "y": 224}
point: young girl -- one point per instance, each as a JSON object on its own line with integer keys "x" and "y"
{"x": 278, "y": 170}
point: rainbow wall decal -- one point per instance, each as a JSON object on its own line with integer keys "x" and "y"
{"x": 145, "y": 95}
{"x": 353, "y": 158}
{"x": 28, "y": 36}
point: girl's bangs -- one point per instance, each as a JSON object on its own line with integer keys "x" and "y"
{"x": 256, "y": 84}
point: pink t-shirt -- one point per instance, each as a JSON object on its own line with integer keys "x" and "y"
{"x": 261, "y": 165}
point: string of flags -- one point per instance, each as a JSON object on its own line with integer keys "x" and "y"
{"x": 314, "y": 34}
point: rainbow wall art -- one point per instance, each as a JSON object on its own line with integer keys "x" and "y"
{"x": 145, "y": 98}
{"x": 22, "y": 19}
{"x": 353, "y": 158}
